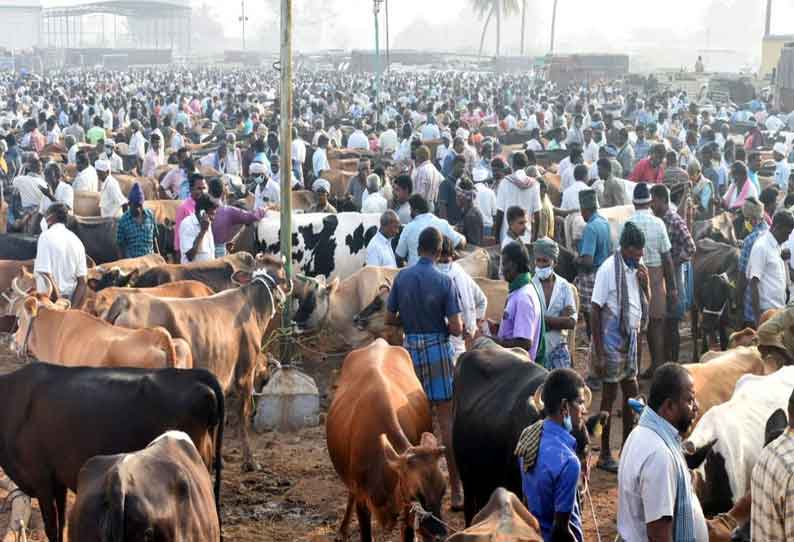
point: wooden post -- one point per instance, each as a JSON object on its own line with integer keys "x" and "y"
{"x": 286, "y": 156}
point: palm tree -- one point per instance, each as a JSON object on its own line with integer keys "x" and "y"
{"x": 491, "y": 8}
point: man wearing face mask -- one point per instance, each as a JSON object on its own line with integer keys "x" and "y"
{"x": 619, "y": 310}
{"x": 656, "y": 500}
{"x": 547, "y": 457}
{"x": 267, "y": 192}
{"x": 137, "y": 228}
{"x": 198, "y": 186}
{"x": 558, "y": 300}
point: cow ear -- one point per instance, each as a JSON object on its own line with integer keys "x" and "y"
{"x": 696, "y": 456}
{"x": 241, "y": 277}
{"x": 775, "y": 426}
{"x": 333, "y": 285}
{"x": 392, "y": 457}
{"x": 31, "y": 306}
{"x": 93, "y": 283}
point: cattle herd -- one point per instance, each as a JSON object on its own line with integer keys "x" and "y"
{"x": 124, "y": 401}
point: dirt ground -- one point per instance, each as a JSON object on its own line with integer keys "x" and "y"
{"x": 296, "y": 494}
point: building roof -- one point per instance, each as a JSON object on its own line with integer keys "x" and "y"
{"x": 21, "y": 4}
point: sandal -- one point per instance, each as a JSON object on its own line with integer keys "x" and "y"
{"x": 608, "y": 465}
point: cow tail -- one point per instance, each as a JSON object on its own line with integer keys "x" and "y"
{"x": 213, "y": 383}
{"x": 119, "y": 306}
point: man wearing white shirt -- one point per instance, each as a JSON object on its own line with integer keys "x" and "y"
{"x": 29, "y": 186}
{"x": 388, "y": 139}
{"x": 358, "y": 139}
{"x": 57, "y": 190}
{"x": 196, "y": 242}
{"x": 766, "y": 270}
{"x": 430, "y": 130}
{"x": 379, "y": 249}
{"x": 298, "y": 154}
{"x": 86, "y": 179}
{"x": 374, "y": 202}
{"x": 111, "y": 198}
{"x": 518, "y": 189}
{"x": 154, "y": 157}
{"x": 320, "y": 158}
{"x": 267, "y": 191}
{"x": 137, "y": 147}
{"x": 589, "y": 147}
{"x": 60, "y": 256}
{"x": 570, "y": 197}
{"x": 565, "y": 169}
{"x": 116, "y": 163}
{"x": 782, "y": 169}
{"x": 485, "y": 200}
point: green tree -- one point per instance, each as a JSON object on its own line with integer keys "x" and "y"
{"x": 489, "y": 8}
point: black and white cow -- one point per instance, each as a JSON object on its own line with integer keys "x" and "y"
{"x": 731, "y": 437}
{"x": 331, "y": 245}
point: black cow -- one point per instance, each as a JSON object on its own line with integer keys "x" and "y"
{"x": 491, "y": 408}
{"x": 56, "y": 418}
{"x": 217, "y": 274}
{"x": 17, "y": 246}
{"x": 98, "y": 235}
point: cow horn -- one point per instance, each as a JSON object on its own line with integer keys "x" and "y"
{"x": 16, "y": 288}
{"x": 537, "y": 399}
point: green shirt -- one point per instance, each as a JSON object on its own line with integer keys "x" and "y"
{"x": 95, "y": 134}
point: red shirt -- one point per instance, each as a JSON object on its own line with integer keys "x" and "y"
{"x": 644, "y": 172}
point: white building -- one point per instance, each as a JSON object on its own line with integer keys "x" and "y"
{"x": 20, "y": 24}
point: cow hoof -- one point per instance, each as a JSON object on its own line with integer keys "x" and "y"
{"x": 251, "y": 466}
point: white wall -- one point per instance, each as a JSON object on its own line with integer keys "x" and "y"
{"x": 20, "y": 27}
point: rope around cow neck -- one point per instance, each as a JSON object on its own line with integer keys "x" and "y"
{"x": 420, "y": 514}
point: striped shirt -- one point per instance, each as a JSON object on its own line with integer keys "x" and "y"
{"x": 772, "y": 516}
{"x": 657, "y": 242}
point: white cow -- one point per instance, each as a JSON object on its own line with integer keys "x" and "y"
{"x": 331, "y": 245}
{"x": 616, "y": 216}
{"x": 738, "y": 427}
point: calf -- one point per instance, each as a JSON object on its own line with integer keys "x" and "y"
{"x": 379, "y": 436}
{"x": 225, "y": 331}
{"x": 120, "y": 272}
{"x": 50, "y": 333}
{"x": 162, "y": 492}
{"x": 503, "y": 518}
{"x": 56, "y": 418}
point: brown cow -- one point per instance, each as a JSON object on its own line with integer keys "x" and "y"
{"x": 504, "y": 518}
{"x": 52, "y": 333}
{"x": 162, "y": 492}
{"x": 722, "y": 526}
{"x": 9, "y": 269}
{"x": 379, "y": 436}
{"x": 225, "y": 331}
{"x": 217, "y": 274}
{"x": 86, "y": 203}
{"x": 150, "y": 186}
{"x": 716, "y": 376}
{"x": 164, "y": 210}
{"x": 100, "y": 304}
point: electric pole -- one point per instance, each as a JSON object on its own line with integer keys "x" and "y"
{"x": 242, "y": 18}
{"x": 376, "y": 9}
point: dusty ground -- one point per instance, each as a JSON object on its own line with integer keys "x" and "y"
{"x": 297, "y": 496}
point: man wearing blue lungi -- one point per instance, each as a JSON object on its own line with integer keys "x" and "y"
{"x": 428, "y": 304}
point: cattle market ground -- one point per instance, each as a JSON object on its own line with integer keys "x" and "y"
{"x": 297, "y": 496}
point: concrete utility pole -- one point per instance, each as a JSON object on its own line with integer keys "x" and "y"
{"x": 553, "y": 25}
{"x": 388, "y": 60}
{"x": 285, "y": 140}
{"x": 242, "y": 18}
{"x": 768, "y": 27}
{"x": 376, "y": 9}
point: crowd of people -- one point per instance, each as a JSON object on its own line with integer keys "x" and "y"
{"x": 433, "y": 166}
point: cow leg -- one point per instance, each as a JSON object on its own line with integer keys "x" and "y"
{"x": 407, "y": 533}
{"x": 344, "y": 528}
{"x": 60, "y": 505}
{"x": 695, "y": 317}
{"x": 364, "y": 522}
{"x": 49, "y": 513}
{"x": 246, "y": 409}
{"x": 723, "y": 337}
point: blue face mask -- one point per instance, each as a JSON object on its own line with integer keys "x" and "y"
{"x": 632, "y": 263}
{"x": 567, "y": 423}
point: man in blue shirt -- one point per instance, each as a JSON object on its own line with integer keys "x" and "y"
{"x": 594, "y": 247}
{"x": 429, "y": 308}
{"x": 550, "y": 471}
{"x": 422, "y": 218}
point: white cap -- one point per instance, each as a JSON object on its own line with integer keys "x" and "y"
{"x": 780, "y": 148}
{"x": 102, "y": 165}
{"x": 321, "y": 185}
{"x": 462, "y": 132}
{"x": 257, "y": 168}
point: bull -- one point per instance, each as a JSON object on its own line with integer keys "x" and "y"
{"x": 56, "y": 418}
